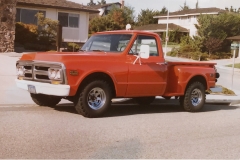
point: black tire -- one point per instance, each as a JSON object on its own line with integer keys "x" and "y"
{"x": 88, "y": 105}
{"x": 194, "y": 98}
{"x": 45, "y": 100}
{"x": 144, "y": 100}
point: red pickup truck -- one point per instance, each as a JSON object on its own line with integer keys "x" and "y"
{"x": 115, "y": 64}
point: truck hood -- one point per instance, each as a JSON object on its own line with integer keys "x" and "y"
{"x": 70, "y": 56}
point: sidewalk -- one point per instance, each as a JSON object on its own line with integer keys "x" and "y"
{"x": 11, "y": 95}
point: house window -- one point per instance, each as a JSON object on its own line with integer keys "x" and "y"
{"x": 68, "y": 20}
{"x": 27, "y": 16}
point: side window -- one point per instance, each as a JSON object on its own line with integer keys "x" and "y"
{"x": 145, "y": 40}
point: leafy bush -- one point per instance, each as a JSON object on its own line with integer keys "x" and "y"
{"x": 26, "y": 33}
{"x": 174, "y": 52}
{"x": 73, "y": 47}
{"x": 47, "y": 31}
{"x": 225, "y": 91}
{"x": 41, "y": 37}
{"x": 170, "y": 43}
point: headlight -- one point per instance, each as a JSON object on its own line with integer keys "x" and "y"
{"x": 20, "y": 71}
{"x": 54, "y": 74}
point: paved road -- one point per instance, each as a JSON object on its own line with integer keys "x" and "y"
{"x": 127, "y": 131}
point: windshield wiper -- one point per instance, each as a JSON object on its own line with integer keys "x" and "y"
{"x": 82, "y": 50}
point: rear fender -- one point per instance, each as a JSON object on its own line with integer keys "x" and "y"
{"x": 180, "y": 76}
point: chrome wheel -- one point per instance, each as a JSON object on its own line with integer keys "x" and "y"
{"x": 96, "y": 98}
{"x": 196, "y": 97}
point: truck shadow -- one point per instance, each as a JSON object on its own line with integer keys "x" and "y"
{"x": 159, "y": 106}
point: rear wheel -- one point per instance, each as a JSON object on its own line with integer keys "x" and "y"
{"x": 144, "y": 100}
{"x": 94, "y": 99}
{"x": 45, "y": 100}
{"x": 194, "y": 98}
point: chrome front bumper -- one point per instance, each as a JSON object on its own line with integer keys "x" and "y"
{"x": 44, "y": 88}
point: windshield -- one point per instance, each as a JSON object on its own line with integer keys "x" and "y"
{"x": 107, "y": 43}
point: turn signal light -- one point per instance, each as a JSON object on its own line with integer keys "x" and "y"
{"x": 55, "y": 82}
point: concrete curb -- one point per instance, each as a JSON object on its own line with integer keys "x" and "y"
{"x": 234, "y": 103}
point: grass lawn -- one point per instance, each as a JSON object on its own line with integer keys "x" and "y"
{"x": 225, "y": 91}
{"x": 237, "y": 65}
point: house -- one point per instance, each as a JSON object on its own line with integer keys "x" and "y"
{"x": 161, "y": 28}
{"x": 187, "y": 18}
{"x": 72, "y": 16}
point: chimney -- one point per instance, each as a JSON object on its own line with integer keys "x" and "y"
{"x": 122, "y": 3}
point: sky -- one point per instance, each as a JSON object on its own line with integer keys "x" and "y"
{"x": 173, "y": 5}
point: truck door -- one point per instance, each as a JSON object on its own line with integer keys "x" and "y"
{"x": 149, "y": 78}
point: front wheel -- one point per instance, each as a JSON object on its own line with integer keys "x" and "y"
{"x": 194, "y": 98}
{"x": 94, "y": 99}
{"x": 45, "y": 100}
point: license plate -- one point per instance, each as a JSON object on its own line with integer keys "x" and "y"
{"x": 31, "y": 89}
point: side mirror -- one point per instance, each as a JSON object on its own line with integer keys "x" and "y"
{"x": 144, "y": 51}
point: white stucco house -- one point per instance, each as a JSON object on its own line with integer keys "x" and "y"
{"x": 72, "y": 16}
{"x": 187, "y": 18}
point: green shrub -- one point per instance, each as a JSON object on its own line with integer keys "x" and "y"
{"x": 224, "y": 55}
{"x": 173, "y": 52}
{"x": 26, "y": 33}
{"x": 225, "y": 91}
{"x": 73, "y": 47}
{"x": 170, "y": 43}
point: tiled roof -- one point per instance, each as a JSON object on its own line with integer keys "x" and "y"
{"x": 155, "y": 27}
{"x": 199, "y": 10}
{"x": 105, "y": 5}
{"x": 195, "y": 11}
{"x": 60, "y": 4}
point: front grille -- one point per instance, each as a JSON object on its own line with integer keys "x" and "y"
{"x": 35, "y": 71}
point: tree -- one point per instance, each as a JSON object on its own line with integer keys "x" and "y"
{"x": 213, "y": 44}
{"x": 185, "y": 6}
{"x": 197, "y": 5}
{"x": 233, "y": 10}
{"x": 146, "y": 16}
{"x": 91, "y": 3}
{"x": 117, "y": 19}
{"x": 102, "y": 2}
{"x": 48, "y": 29}
{"x": 164, "y": 11}
{"x": 218, "y": 28}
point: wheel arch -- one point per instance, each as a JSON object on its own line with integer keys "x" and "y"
{"x": 97, "y": 76}
{"x": 197, "y": 78}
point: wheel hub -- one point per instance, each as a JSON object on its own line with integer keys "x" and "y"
{"x": 196, "y": 97}
{"x": 96, "y": 98}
